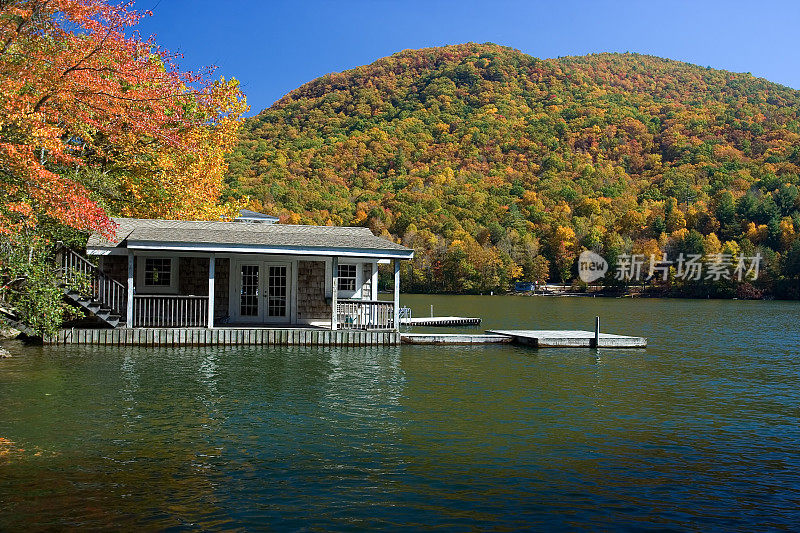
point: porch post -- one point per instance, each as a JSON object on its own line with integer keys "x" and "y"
{"x": 396, "y": 294}
{"x": 334, "y": 291}
{"x": 130, "y": 288}
{"x": 211, "y": 268}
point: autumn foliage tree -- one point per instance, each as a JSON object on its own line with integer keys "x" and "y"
{"x": 94, "y": 120}
{"x": 441, "y": 148}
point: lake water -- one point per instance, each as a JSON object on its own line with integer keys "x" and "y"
{"x": 699, "y": 431}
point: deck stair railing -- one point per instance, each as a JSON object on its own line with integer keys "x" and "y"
{"x": 88, "y": 287}
{"x": 365, "y": 314}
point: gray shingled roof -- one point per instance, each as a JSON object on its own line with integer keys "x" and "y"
{"x": 150, "y": 231}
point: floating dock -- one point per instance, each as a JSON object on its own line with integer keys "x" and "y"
{"x": 234, "y": 336}
{"x": 569, "y": 339}
{"x": 441, "y": 321}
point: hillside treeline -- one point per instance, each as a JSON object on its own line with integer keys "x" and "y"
{"x": 496, "y": 166}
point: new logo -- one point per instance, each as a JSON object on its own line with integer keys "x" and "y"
{"x": 591, "y": 266}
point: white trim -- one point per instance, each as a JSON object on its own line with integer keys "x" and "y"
{"x": 131, "y": 287}
{"x": 124, "y": 252}
{"x": 396, "y": 295}
{"x": 212, "y": 264}
{"x": 258, "y": 249}
{"x": 375, "y": 280}
{"x": 101, "y": 250}
{"x": 384, "y": 257}
{"x": 334, "y": 293}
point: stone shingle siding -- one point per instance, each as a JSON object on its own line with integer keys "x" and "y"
{"x": 115, "y": 266}
{"x": 222, "y": 276}
{"x": 193, "y": 276}
{"x": 311, "y": 291}
{"x": 193, "y": 279}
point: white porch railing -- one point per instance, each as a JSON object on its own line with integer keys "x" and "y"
{"x": 364, "y": 314}
{"x": 169, "y": 311}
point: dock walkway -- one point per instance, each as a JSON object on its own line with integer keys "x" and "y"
{"x": 532, "y": 338}
{"x": 453, "y": 338}
{"x": 569, "y": 338}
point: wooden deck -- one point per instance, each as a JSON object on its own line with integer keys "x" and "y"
{"x": 228, "y": 336}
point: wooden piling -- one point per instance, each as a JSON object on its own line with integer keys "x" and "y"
{"x": 596, "y": 332}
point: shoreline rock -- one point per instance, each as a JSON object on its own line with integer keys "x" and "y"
{"x": 9, "y": 333}
{"x": 4, "y": 354}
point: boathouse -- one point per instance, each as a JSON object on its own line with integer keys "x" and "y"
{"x": 249, "y": 273}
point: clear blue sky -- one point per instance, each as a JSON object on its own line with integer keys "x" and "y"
{"x": 276, "y": 46}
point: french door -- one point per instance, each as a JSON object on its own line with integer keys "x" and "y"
{"x": 263, "y": 292}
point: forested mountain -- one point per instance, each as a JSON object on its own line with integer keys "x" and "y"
{"x": 496, "y": 166}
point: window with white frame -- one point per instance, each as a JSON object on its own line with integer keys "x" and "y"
{"x": 158, "y": 272}
{"x": 347, "y": 278}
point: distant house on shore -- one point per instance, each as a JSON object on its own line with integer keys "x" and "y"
{"x": 253, "y": 272}
{"x": 524, "y": 286}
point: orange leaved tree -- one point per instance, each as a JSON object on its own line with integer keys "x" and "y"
{"x": 94, "y": 119}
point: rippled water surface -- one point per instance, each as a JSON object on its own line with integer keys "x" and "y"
{"x": 699, "y": 431}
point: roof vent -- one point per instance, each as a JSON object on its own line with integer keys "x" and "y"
{"x": 245, "y": 215}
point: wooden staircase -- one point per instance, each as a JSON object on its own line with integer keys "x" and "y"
{"x": 100, "y": 296}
